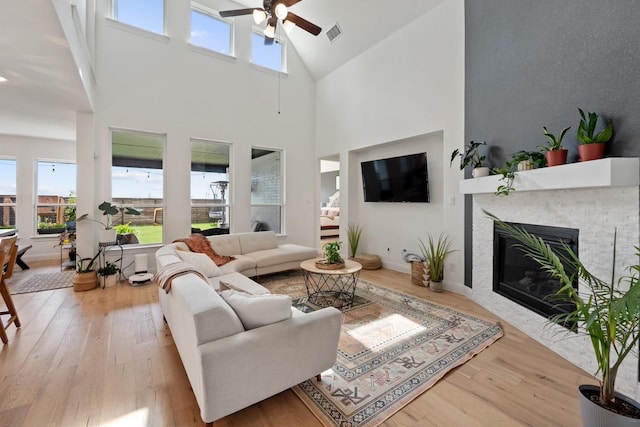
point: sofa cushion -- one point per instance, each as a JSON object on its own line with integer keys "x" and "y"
{"x": 260, "y": 241}
{"x": 283, "y": 254}
{"x": 238, "y": 282}
{"x": 200, "y": 262}
{"x": 241, "y": 263}
{"x": 255, "y": 311}
{"x": 225, "y": 244}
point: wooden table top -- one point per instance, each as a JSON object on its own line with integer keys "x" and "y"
{"x": 350, "y": 267}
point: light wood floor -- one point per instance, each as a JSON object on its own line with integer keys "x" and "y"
{"x": 106, "y": 358}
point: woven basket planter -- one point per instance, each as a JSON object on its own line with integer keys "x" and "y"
{"x": 417, "y": 273}
{"x": 85, "y": 281}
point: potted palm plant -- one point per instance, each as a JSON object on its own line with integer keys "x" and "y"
{"x": 354, "y": 232}
{"x": 591, "y": 144}
{"x": 471, "y": 157}
{"x": 435, "y": 253}
{"x": 555, "y": 153}
{"x": 608, "y": 311}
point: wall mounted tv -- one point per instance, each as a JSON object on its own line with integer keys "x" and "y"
{"x": 396, "y": 179}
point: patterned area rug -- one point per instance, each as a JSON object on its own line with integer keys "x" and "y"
{"x": 44, "y": 282}
{"x": 393, "y": 347}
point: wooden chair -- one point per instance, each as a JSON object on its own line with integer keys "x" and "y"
{"x": 8, "y": 253}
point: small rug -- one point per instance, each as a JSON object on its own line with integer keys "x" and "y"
{"x": 393, "y": 347}
{"x": 44, "y": 282}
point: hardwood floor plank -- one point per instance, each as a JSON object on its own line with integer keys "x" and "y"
{"x": 105, "y": 357}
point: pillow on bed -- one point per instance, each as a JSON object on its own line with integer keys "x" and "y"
{"x": 255, "y": 311}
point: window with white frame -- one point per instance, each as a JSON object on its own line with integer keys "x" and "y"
{"x": 267, "y": 202}
{"x": 209, "y": 31}
{"x": 137, "y": 182}
{"x": 55, "y": 196}
{"x": 145, "y": 14}
{"x": 210, "y": 187}
{"x": 270, "y": 56}
{"x": 8, "y": 193}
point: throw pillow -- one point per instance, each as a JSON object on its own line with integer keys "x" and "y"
{"x": 200, "y": 262}
{"x": 255, "y": 311}
{"x": 200, "y": 244}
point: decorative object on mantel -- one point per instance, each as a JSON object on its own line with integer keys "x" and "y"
{"x": 108, "y": 235}
{"x": 592, "y": 146}
{"x": 471, "y": 157}
{"x": 607, "y": 311}
{"x": 332, "y": 258}
{"x": 555, "y": 153}
{"x": 530, "y": 159}
{"x": 435, "y": 254}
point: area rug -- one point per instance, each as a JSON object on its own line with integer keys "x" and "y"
{"x": 44, "y": 282}
{"x": 393, "y": 347}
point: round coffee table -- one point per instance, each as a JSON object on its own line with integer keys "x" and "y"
{"x": 334, "y": 288}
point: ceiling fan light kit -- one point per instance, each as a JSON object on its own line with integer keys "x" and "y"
{"x": 271, "y": 11}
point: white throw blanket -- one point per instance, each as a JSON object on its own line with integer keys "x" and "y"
{"x": 165, "y": 276}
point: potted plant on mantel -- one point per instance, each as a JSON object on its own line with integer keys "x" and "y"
{"x": 555, "y": 153}
{"x": 471, "y": 157}
{"x": 591, "y": 144}
{"x": 435, "y": 254}
{"x": 607, "y": 311}
{"x": 108, "y": 235}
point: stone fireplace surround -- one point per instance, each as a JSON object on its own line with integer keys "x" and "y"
{"x": 595, "y": 197}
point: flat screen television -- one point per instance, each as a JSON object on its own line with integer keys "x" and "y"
{"x": 396, "y": 179}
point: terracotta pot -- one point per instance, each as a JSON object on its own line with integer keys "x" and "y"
{"x": 556, "y": 157}
{"x": 85, "y": 281}
{"x": 591, "y": 151}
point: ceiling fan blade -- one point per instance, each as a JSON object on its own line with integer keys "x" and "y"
{"x": 290, "y": 3}
{"x": 237, "y": 12}
{"x": 304, "y": 24}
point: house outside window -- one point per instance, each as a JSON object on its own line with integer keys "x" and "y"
{"x": 210, "y": 31}
{"x": 210, "y": 187}
{"x": 55, "y": 196}
{"x": 8, "y": 193}
{"x": 272, "y": 56}
{"x": 267, "y": 202}
{"x": 137, "y": 182}
{"x": 145, "y": 14}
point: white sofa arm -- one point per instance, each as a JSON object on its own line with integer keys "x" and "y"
{"x": 248, "y": 367}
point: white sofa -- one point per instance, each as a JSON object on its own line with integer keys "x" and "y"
{"x": 230, "y": 368}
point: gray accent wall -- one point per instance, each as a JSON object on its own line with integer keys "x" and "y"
{"x": 530, "y": 64}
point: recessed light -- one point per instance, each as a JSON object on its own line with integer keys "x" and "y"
{"x": 2, "y": 79}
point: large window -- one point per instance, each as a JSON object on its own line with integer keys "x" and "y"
{"x": 267, "y": 205}
{"x": 8, "y": 193}
{"x": 210, "y": 31}
{"x": 210, "y": 187}
{"x": 145, "y": 14}
{"x": 56, "y": 196}
{"x": 268, "y": 55}
{"x": 137, "y": 182}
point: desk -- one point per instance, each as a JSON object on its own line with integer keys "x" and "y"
{"x": 327, "y": 288}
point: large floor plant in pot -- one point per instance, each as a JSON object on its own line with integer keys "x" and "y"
{"x": 608, "y": 311}
{"x": 435, "y": 253}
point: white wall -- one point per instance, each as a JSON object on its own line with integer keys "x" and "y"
{"x": 27, "y": 151}
{"x": 146, "y": 83}
{"x": 409, "y": 86}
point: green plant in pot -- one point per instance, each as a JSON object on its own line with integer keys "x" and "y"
{"x": 555, "y": 153}
{"x": 471, "y": 157}
{"x": 532, "y": 159}
{"x": 332, "y": 258}
{"x": 109, "y": 210}
{"x": 435, "y": 252}
{"x": 86, "y": 277}
{"x": 608, "y": 311}
{"x": 592, "y": 139}
{"x": 354, "y": 232}
{"x": 107, "y": 274}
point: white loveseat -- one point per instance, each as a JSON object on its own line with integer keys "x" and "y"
{"x": 228, "y": 365}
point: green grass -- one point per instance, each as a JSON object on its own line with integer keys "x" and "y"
{"x": 153, "y": 233}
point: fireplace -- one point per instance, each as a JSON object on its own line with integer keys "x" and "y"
{"x": 520, "y": 279}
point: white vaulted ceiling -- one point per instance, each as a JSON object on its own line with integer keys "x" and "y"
{"x": 45, "y": 87}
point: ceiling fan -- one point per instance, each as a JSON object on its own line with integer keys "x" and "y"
{"x": 271, "y": 11}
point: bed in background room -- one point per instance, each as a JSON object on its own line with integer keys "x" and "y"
{"x": 329, "y": 221}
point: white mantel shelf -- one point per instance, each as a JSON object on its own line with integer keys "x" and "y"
{"x": 610, "y": 172}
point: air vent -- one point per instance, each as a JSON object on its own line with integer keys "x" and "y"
{"x": 334, "y": 32}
